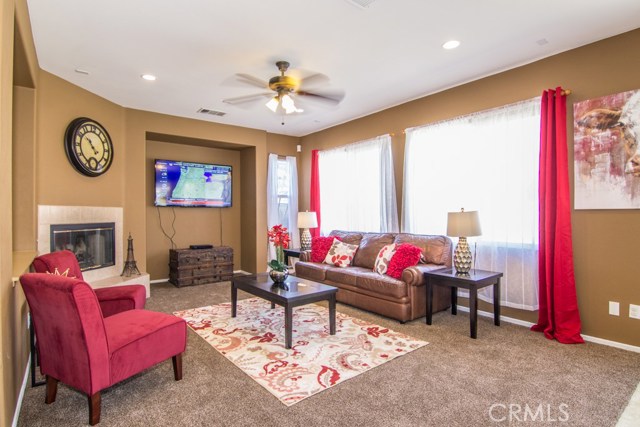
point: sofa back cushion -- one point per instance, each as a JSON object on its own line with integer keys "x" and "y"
{"x": 369, "y": 248}
{"x": 349, "y": 237}
{"x": 435, "y": 249}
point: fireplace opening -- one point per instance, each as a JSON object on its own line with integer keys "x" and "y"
{"x": 93, "y": 244}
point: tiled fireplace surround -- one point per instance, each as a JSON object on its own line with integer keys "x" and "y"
{"x": 102, "y": 277}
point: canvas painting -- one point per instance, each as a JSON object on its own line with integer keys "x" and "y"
{"x": 606, "y": 155}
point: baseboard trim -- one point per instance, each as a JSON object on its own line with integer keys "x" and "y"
{"x": 589, "y": 338}
{"x": 167, "y": 279}
{"x": 23, "y": 389}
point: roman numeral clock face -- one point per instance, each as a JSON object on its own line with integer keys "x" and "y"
{"x": 88, "y": 146}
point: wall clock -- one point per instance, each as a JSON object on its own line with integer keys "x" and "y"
{"x": 88, "y": 146}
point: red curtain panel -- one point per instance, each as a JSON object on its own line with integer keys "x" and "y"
{"x": 558, "y": 315}
{"x": 314, "y": 203}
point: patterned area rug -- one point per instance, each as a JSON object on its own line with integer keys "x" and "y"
{"x": 254, "y": 342}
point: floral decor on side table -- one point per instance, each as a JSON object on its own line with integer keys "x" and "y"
{"x": 279, "y": 236}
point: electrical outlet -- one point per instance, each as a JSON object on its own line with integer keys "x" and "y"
{"x": 634, "y": 311}
{"x": 614, "y": 308}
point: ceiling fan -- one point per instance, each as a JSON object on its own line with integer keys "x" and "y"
{"x": 285, "y": 89}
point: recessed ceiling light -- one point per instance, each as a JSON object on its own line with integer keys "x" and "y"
{"x": 149, "y": 77}
{"x": 451, "y": 44}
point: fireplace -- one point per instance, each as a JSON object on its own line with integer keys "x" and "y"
{"x": 93, "y": 244}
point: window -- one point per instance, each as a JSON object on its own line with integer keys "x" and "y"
{"x": 283, "y": 193}
{"x": 488, "y": 162}
{"x": 357, "y": 187}
{"x": 282, "y": 196}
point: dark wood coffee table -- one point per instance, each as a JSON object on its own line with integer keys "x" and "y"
{"x": 299, "y": 292}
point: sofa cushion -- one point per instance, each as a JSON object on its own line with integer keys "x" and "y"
{"x": 383, "y": 258}
{"x": 311, "y": 270}
{"x": 406, "y": 255}
{"x": 382, "y": 285}
{"x": 341, "y": 254}
{"x": 433, "y": 247}
{"x": 320, "y": 246}
{"x": 352, "y": 238}
{"x": 345, "y": 276}
{"x": 369, "y": 248}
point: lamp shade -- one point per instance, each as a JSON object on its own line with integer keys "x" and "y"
{"x": 307, "y": 220}
{"x": 463, "y": 224}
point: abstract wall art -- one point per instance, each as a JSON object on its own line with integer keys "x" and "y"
{"x": 606, "y": 154}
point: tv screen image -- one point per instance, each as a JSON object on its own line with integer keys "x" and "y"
{"x": 191, "y": 184}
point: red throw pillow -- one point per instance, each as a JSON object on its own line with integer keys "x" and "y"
{"x": 320, "y": 247}
{"x": 406, "y": 255}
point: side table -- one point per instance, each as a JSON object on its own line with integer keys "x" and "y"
{"x": 474, "y": 280}
{"x": 293, "y": 252}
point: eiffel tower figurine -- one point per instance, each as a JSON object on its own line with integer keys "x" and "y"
{"x": 130, "y": 267}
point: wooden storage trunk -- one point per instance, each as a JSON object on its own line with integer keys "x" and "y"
{"x": 198, "y": 266}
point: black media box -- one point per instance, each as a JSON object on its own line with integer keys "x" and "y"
{"x": 201, "y": 247}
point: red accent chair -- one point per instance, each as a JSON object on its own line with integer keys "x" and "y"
{"x": 89, "y": 352}
{"x": 112, "y": 300}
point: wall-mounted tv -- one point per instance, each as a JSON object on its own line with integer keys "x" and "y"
{"x": 190, "y": 184}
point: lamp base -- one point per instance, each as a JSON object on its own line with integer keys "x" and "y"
{"x": 305, "y": 240}
{"x": 462, "y": 256}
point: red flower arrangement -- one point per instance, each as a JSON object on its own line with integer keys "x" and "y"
{"x": 279, "y": 236}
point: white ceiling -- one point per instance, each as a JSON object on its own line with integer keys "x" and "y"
{"x": 381, "y": 56}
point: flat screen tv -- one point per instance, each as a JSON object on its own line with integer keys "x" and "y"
{"x": 190, "y": 184}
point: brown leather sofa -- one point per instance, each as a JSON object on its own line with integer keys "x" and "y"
{"x": 360, "y": 286}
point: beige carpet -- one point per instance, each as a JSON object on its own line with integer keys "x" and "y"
{"x": 453, "y": 381}
{"x": 316, "y": 361}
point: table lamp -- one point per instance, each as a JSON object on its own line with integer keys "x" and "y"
{"x": 306, "y": 220}
{"x": 463, "y": 224}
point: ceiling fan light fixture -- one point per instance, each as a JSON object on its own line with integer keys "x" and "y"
{"x": 272, "y": 104}
{"x": 289, "y": 106}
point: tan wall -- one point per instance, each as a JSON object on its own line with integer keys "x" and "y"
{"x": 192, "y": 225}
{"x": 17, "y": 101}
{"x": 24, "y": 177}
{"x": 140, "y": 124}
{"x": 7, "y": 391}
{"x": 58, "y": 183}
{"x": 604, "y": 240}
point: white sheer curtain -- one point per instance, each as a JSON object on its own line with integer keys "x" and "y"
{"x": 357, "y": 187}
{"x": 282, "y": 197}
{"x": 488, "y": 162}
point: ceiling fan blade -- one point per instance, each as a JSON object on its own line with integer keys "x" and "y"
{"x": 254, "y": 81}
{"x": 314, "y": 80}
{"x": 248, "y": 98}
{"x": 327, "y": 97}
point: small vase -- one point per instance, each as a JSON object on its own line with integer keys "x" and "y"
{"x": 279, "y": 277}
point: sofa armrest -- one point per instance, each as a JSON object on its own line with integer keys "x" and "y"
{"x": 305, "y": 255}
{"x": 414, "y": 276}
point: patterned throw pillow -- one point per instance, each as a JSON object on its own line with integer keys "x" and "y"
{"x": 341, "y": 254}
{"x": 383, "y": 258}
{"x": 406, "y": 255}
{"x": 320, "y": 247}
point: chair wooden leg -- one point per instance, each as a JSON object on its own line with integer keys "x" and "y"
{"x": 52, "y": 389}
{"x": 177, "y": 366}
{"x": 94, "y": 409}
